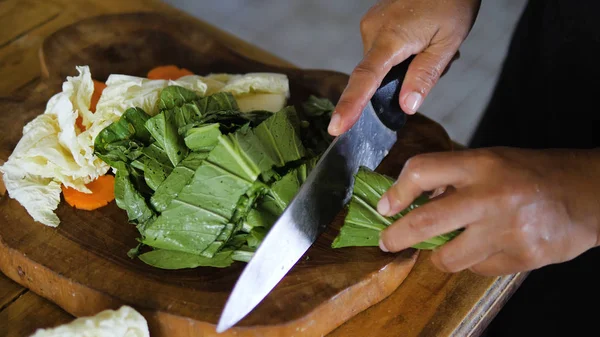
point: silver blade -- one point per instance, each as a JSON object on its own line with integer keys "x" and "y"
{"x": 322, "y": 196}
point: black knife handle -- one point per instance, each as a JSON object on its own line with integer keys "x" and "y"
{"x": 385, "y": 101}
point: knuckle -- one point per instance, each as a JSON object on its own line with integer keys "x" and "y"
{"x": 428, "y": 76}
{"x": 523, "y": 236}
{"x": 365, "y": 24}
{"x": 343, "y": 103}
{"x": 441, "y": 261}
{"x": 392, "y": 29}
{"x": 365, "y": 69}
{"x": 487, "y": 159}
{"x": 530, "y": 257}
{"x": 394, "y": 193}
{"x": 413, "y": 167}
{"x": 514, "y": 197}
{"x": 418, "y": 222}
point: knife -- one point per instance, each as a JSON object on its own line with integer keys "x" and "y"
{"x": 323, "y": 195}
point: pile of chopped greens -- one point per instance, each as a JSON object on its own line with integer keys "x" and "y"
{"x": 204, "y": 182}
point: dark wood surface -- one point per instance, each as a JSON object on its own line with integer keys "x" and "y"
{"x": 428, "y": 302}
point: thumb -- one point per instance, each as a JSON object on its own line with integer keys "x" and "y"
{"x": 423, "y": 74}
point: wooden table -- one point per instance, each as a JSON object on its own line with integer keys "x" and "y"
{"x": 444, "y": 304}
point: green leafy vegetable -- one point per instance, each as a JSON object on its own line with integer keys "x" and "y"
{"x": 124, "y": 139}
{"x": 195, "y": 220}
{"x": 203, "y": 138}
{"x": 316, "y": 106}
{"x": 165, "y": 132}
{"x": 317, "y": 113}
{"x": 222, "y": 101}
{"x": 228, "y": 120}
{"x": 129, "y": 198}
{"x": 175, "y": 96}
{"x": 155, "y": 165}
{"x": 244, "y": 254}
{"x": 363, "y": 223}
{"x": 176, "y": 181}
{"x": 170, "y": 259}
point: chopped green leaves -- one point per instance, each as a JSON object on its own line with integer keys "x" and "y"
{"x": 172, "y": 259}
{"x": 203, "y": 138}
{"x": 317, "y": 113}
{"x": 175, "y": 96}
{"x": 129, "y": 198}
{"x": 164, "y": 130}
{"x": 204, "y": 182}
{"x": 196, "y": 218}
{"x": 124, "y": 139}
{"x": 363, "y": 223}
{"x": 316, "y": 106}
{"x": 194, "y": 177}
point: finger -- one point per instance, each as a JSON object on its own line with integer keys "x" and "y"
{"x": 423, "y": 173}
{"x": 371, "y": 23}
{"x": 499, "y": 264}
{"x": 474, "y": 245}
{"x": 365, "y": 79}
{"x": 439, "y": 216}
{"x": 423, "y": 74}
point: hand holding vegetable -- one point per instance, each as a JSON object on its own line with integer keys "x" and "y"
{"x": 521, "y": 209}
{"x": 392, "y": 31}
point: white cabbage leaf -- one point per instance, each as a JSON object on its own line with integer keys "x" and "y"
{"x": 53, "y": 151}
{"x": 252, "y": 91}
{"x": 124, "y": 322}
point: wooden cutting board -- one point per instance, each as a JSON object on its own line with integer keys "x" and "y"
{"x": 82, "y": 265}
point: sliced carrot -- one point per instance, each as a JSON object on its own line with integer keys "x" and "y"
{"x": 79, "y": 123}
{"x": 98, "y": 88}
{"x": 103, "y": 192}
{"x": 168, "y": 72}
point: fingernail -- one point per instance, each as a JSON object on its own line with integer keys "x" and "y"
{"x": 413, "y": 101}
{"x": 334, "y": 123}
{"x": 383, "y": 206}
{"x": 438, "y": 192}
{"x": 383, "y": 247}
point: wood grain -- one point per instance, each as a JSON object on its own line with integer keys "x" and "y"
{"x": 83, "y": 267}
{"x": 9, "y": 291}
{"x": 34, "y": 13}
{"x": 430, "y": 300}
{"x": 36, "y": 311}
{"x": 19, "y": 58}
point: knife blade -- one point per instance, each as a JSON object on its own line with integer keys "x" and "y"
{"x": 322, "y": 196}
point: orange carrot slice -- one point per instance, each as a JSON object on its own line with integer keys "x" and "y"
{"x": 168, "y": 72}
{"x": 103, "y": 192}
{"x": 79, "y": 123}
{"x": 98, "y": 88}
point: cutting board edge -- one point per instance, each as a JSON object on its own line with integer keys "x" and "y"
{"x": 75, "y": 297}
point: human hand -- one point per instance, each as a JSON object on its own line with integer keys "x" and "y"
{"x": 521, "y": 209}
{"x": 392, "y": 31}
